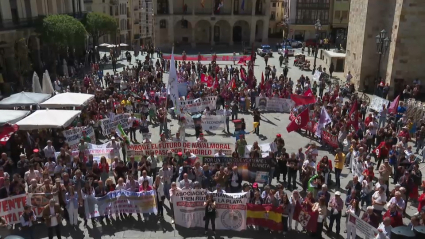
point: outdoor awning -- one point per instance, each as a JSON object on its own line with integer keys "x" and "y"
{"x": 12, "y": 116}
{"x": 43, "y": 119}
{"x": 67, "y": 100}
{"x": 23, "y": 99}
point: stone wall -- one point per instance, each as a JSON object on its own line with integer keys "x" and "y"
{"x": 407, "y": 49}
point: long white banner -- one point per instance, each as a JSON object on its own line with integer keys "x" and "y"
{"x": 97, "y": 151}
{"x": 209, "y": 122}
{"x": 274, "y": 104}
{"x": 361, "y": 226}
{"x": 189, "y": 209}
{"x": 112, "y": 123}
{"x": 73, "y": 136}
{"x": 197, "y": 105}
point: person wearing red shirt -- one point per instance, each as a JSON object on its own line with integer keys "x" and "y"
{"x": 421, "y": 200}
{"x": 368, "y": 119}
{"x": 381, "y": 152}
{"x": 395, "y": 216}
{"x": 369, "y": 172}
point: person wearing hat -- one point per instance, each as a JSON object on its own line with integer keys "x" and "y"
{"x": 336, "y": 204}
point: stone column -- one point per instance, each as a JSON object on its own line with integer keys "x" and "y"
{"x": 231, "y": 34}
{"x": 264, "y": 37}
{"x": 193, "y": 6}
{"x": 252, "y": 32}
{"x": 6, "y": 12}
{"x": 212, "y": 35}
{"x": 233, "y": 6}
{"x": 253, "y": 7}
{"x": 170, "y": 26}
{"x": 193, "y": 43}
{"x": 171, "y": 7}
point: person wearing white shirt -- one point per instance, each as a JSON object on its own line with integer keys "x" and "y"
{"x": 384, "y": 229}
{"x": 219, "y": 154}
{"x": 27, "y": 218}
{"x": 379, "y": 200}
{"x": 227, "y": 112}
{"x": 49, "y": 150}
{"x": 132, "y": 122}
{"x": 153, "y": 160}
{"x": 145, "y": 177}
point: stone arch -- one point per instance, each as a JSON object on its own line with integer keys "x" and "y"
{"x": 222, "y": 32}
{"x": 203, "y": 32}
{"x": 183, "y": 32}
{"x": 241, "y": 31}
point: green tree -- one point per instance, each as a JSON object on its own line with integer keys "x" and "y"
{"x": 23, "y": 63}
{"x": 63, "y": 35}
{"x": 99, "y": 24}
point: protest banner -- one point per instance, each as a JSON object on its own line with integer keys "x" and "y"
{"x": 265, "y": 216}
{"x": 12, "y": 208}
{"x": 197, "y": 105}
{"x": 120, "y": 201}
{"x": 112, "y": 123}
{"x": 73, "y": 136}
{"x": 377, "y": 102}
{"x": 182, "y": 88}
{"x": 330, "y": 139}
{"x": 274, "y": 104}
{"x": 252, "y": 170}
{"x": 209, "y": 122}
{"x": 39, "y": 200}
{"x": 97, "y": 150}
{"x": 265, "y": 149}
{"x": 361, "y": 226}
{"x": 308, "y": 220}
{"x": 199, "y": 149}
{"x": 189, "y": 209}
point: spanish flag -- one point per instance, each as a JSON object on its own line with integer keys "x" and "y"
{"x": 265, "y": 216}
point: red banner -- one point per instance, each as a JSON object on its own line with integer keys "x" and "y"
{"x": 207, "y": 57}
{"x": 303, "y": 100}
{"x": 330, "y": 139}
{"x": 7, "y": 132}
{"x": 307, "y": 219}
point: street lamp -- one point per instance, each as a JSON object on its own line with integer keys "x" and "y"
{"x": 318, "y": 27}
{"x": 382, "y": 43}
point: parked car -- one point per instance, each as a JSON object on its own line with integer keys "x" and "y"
{"x": 264, "y": 49}
{"x": 291, "y": 50}
{"x": 296, "y": 44}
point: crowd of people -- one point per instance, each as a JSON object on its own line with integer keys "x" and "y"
{"x": 28, "y": 163}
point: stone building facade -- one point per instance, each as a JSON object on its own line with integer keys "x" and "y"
{"x": 404, "y": 21}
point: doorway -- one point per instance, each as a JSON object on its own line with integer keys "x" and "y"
{"x": 339, "y": 65}
{"x": 216, "y": 33}
{"x": 237, "y": 34}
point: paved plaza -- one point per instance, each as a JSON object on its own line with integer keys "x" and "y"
{"x": 271, "y": 124}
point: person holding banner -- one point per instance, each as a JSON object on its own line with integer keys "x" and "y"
{"x": 158, "y": 186}
{"x": 173, "y": 190}
{"x": 320, "y": 207}
{"x": 27, "y": 218}
{"x": 72, "y": 206}
{"x": 210, "y": 213}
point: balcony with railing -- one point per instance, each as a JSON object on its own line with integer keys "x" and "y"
{"x": 113, "y": 2}
{"x": 19, "y": 23}
{"x": 183, "y": 10}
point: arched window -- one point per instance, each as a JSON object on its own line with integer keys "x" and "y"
{"x": 163, "y": 24}
{"x": 162, "y": 7}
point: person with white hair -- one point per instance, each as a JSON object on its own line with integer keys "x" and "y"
{"x": 384, "y": 229}
{"x": 294, "y": 200}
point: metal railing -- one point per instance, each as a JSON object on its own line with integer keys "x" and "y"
{"x": 310, "y": 21}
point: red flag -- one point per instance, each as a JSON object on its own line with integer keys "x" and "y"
{"x": 7, "y": 132}
{"x": 300, "y": 121}
{"x": 262, "y": 84}
{"x": 354, "y": 116}
{"x": 394, "y": 105}
{"x": 234, "y": 83}
{"x": 210, "y": 81}
{"x": 215, "y": 85}
{"x": 242, "y": 60}
{"x": 303, "y": 100}
{"x": 204, "y": 79}
{"x": 308, "y": 92}
{"x": 307, "y": 219}
{"x": 243, "y": 76}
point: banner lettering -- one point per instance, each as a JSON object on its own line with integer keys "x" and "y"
{"x": 120, "y": 201}
{"x": 12, "y": 208}
{"x": 354, "y": 222}
{"x": 274, "y": 104}
{"x": 209, "y": 122}
{"x": 189, "y": 209}
{"x": 111, "y": 124}
{"x": 330, "y": 139}
{"x": 73, "y": 136}
{"x": 197, "y": 105}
